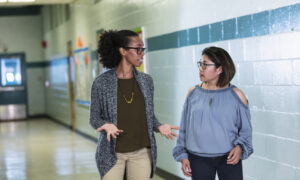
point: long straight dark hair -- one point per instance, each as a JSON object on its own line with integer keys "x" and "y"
{"x": 221, "y": 58}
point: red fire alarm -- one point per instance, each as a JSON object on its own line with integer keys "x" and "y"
{"x": 44, "y": 44}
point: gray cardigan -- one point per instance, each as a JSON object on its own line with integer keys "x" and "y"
{"x": 103, "y": 110}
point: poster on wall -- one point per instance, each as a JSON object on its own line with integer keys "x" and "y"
{"x": 82, "y": 73}
{"x": 140, "y": 31}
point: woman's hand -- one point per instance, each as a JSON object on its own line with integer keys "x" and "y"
{"x": 234, "y": 155}
{"x": 111, "y": 130}
{"x": 186, "y": 167}
{"x": 166, "y": 130}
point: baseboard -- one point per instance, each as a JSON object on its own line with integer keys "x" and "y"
{"x": 59, "y": 122}
{"x": 38, "y": 116}
{"x": 11, "y": 120}
{"x": 91, "y": 138}
{"x": 166, "y": 175}
{"x": 28, "y": 118}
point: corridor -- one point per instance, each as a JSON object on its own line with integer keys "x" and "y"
{"x": 40, "y": 149}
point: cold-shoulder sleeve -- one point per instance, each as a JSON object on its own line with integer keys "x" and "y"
{"x": 244, "y": 138}
{"x": 179, "y": 151}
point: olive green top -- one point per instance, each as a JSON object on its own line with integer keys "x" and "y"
{"x": 131, "y": 117}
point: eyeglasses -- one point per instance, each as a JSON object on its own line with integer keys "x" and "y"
{"x": 204, "y": 65}
{"x": 138, "y": 49}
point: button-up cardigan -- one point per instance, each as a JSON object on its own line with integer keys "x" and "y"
{"x": 103, "y": 110}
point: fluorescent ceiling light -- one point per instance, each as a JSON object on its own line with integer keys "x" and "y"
{"x": 21, "y": 0}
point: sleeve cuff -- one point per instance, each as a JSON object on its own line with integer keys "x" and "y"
{"x": 179, "y": 153}
{"x": 181, "y": 157}
{"x": 246, "y": 151}
{"x": 97, "y": 124}
{"x": 155, "y": 128}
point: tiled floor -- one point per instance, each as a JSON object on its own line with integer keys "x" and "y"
{"x": 40, "y": 149}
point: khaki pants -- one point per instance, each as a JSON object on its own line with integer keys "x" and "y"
{"x": 137, "y": 163}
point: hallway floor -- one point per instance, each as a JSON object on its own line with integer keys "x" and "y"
{"x": 41, "y": 149}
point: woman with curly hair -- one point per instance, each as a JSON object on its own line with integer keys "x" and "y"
{"x": 215, "y": 130}
{"x": 122, "y": 108}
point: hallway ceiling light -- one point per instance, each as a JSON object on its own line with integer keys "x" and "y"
{"x": 21, "y": 0}
{"x": 6, "y": 3}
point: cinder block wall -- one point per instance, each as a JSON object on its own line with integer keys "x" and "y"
{"x": 263, "y": 38}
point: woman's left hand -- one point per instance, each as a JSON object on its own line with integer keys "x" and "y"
{"x": 234, "y": 155}
{"x": 166, "y": 130}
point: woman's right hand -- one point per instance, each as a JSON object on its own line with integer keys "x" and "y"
{"x": 111, "y": 130}
{"x": 186, "y": 167}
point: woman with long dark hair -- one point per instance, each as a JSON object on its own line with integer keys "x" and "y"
{"x": 215, "y": 130}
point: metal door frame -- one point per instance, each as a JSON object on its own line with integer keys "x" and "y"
{"x": 22, "y": 87}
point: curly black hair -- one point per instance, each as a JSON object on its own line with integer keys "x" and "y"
{"x": 109, "y": 44}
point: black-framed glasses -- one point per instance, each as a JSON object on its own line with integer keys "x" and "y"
{"x": 204, "y": 65}
{"x": 139, "y": 50}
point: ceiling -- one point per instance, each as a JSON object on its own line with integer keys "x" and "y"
{"x": 36, "y": 2}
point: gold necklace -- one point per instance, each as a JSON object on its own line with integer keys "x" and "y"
{"x": 132, "y": 93}
{"x": 131, "y": 99}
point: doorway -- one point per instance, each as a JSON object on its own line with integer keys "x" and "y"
{"x": 13, "y": 88}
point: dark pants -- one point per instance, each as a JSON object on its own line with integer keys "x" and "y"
{"x": 205, "y": 168}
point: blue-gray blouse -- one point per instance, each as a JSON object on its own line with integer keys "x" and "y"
{"x": 212, "y": 123}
